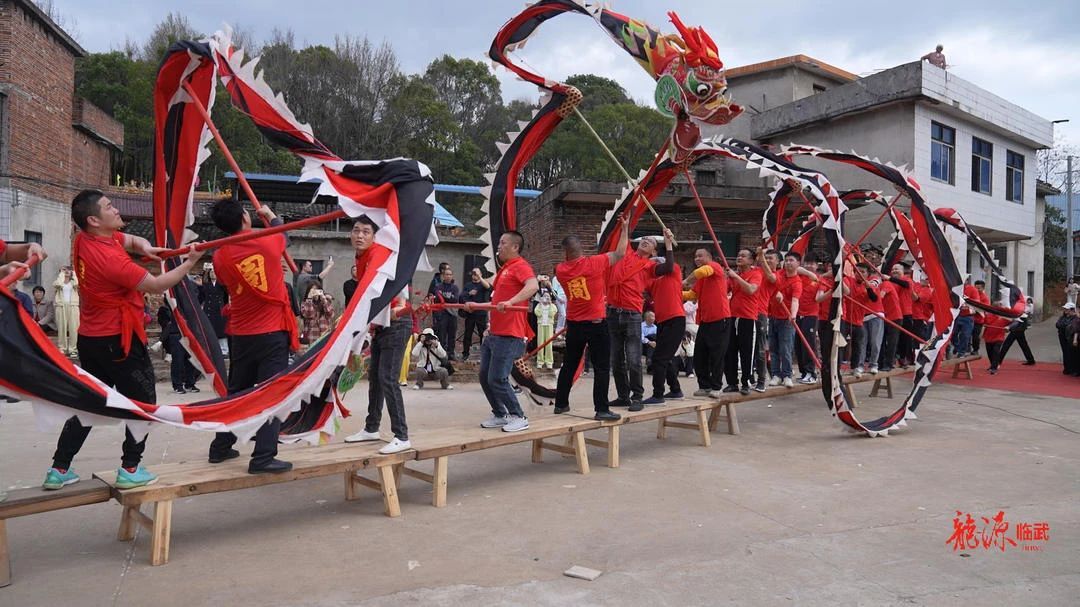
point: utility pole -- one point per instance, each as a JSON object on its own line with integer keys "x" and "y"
{"x": 1070, "y": 271}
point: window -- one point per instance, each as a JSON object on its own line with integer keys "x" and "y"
{"x": 1031, "y": 282}
{"x": 34, "y": 278}
{"x": 942, "y": 152}
{"x": 729, "y": 243}
{"x": 1014, "y": 176}
{"x": 982, "y": 165}
{"x": 818, "y": 89}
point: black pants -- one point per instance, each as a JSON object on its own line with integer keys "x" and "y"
{"x": 1020, "y": 338}
{"x": 993, "y": 349}
{"x": 253, "y": 359}
{"x": 580, "y": 334}
{"x": 131, "y": 375}
{"x": 905, "y": 346}
{"x": 740, "y": 354}
{"x": 887, "y": 360}
{"x": 976, "y": 335}
{"x": 710, "y": 353}
{"x": 856, "y": 338}
{"x": 387, "y": 350}
{"x": 920, "y": 328}
{"x": 446, "y": 331}
{"x": 475, "y": 324}
{"x": 1069, "y": 364}
{"x": 181, "y": 371}
{"x": 669, "y": 335}
{"x": 808, "y": 326}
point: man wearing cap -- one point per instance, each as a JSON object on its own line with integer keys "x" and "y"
{"x": 430, "y": 359}
{"x": 625, "y": 300}
{"x": 1067, "y": 338}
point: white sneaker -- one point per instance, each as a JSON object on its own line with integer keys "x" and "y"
{"x": 450, "y": 387}
{"x": 415, "y": 387}
{"x": 715, "y": 394}
{"x": 874, "y": 370}
{"x": 807, "y": 379}
{"x": 774, "y": 381}
{"x": 788, "y": 383}
{"x": 403, "y": 383}
{"x": 689, "y": 375}
{"x": 363, "y": 436}
{"x": 395, "y": 446}
{"x": 493, "y": 422}
{"x": 857, "y": 373}
{"x": 515, "y": 423}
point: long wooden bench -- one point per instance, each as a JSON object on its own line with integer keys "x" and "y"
{"x": 35, "y": 500}
{"x": 439, "y": 445}
{"x": 188, "y": 479}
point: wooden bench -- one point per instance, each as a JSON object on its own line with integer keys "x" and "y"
{"x": 188, "y": 479}
{"x": 35, "y": 500}
{"x": 661, "y": 414}
{"x": 439, "y": 445}
{"x": 962, "y": 366}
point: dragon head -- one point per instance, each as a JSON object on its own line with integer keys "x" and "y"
{"x": 690, "y": 77}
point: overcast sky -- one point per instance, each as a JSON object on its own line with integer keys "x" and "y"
{"x": 1026, "y": 52}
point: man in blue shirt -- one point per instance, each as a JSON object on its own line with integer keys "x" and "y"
{"x": 648, "y": 337}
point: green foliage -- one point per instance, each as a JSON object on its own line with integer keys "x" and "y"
{"x": 1055, "y": 239}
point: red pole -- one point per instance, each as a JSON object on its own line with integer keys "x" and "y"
{"x": 541, "y": 346}
{"x": 253, "y": 234}
{"x": 888, "y": 207}
{"x": 902, "y": 329}
{"x": 15, "y": 276}
{"x": 229, "y": 158}
{"x": 705, "y": 218}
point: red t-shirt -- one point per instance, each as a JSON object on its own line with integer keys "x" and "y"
{"x": 853, "y": 313}
{"x": 767, "y": 291}
{"x": 808, "y": 304}
{"x": 3, "y": 247}
{"x": 877, "y": 307}
{"x": 924, "y": 308}
{"x": 791, "y": 289}
{"x": 583, "y": 281}
{"x": 970, "y": 292}
{"x": 511, "y": 278}
{"x": 826, "y": 284}
{"x": 107, "y": 281}
{"x": 666, "y": 292}
{"x": 994, "y": 328}
{"x": 627, "y": 279}
{"x": 980, "y": 316}
{"x": 743, "y": 304}
{"x": 890, "y": 298}
{"x": 903, "y": 295}
{"x": 712, "y": 295}
{"x": 258, "y": 300}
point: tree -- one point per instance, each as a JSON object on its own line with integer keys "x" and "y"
{"x": 174, "y": 27}
{"x": 598, "y": 91}
{"x": 1050, "y": 164}
{"x": 1055, "y": 239}
{"x": 473, "y": 96}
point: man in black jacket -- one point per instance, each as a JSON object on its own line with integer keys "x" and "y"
{"x": 446, "y": 320}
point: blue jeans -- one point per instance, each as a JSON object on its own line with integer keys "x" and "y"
{"x": 875, "y": 332}
{"x": 497, "y": 356}
{"x": 781, "y": 345}
{"x": 624, "y": 328}
{"x": 962, "y": 337}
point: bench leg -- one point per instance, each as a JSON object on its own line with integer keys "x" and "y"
{"x": 967, "y": 370}
{"x": 888, "y": 386}
{"x": 350, "y": 487}
{"x": 703, "y": 428}
{"x": 159, "y": 543}
{"x": 128, "y": 523}
{"x": 661, "y": 429}
{"x": 581, "y": 453}
{"x": 874, "y": 390}
{"x": 538, "y": 452}
{"x": 613, "y": 447}
{"x": 732, "y": 419}
{"x": 389, "y": 491}
{"x": 714, "y": 418}
{"x": 438, "y": 485}
{"x": 5, "y": 558}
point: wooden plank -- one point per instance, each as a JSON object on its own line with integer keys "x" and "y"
{"x": 680, "y": 425}
{"x": 613, "y": 447}
{"x": 581, "y": 452}
{"x": 5, "y": 557}
{"x": 703, "y": 427}
{"x": 438, "y": 487}
{"x": 537, "y": 451}
{"x": 558, "y": 448}
{"x": 417, "y": 474}
{"x": 126, "y": 532}
{"x": 35, "y": 500}
{"x": 732, "y": 418}
{"x": 389, "y": 491}
{"x": 161, "y": 533}
{"x": 661, "y": 429}
{"x": 452, "y": 441}
{"x": 351, "y": 494}
{"x": 596, "y": 442}
{"x": 650, "y": 413}
{"x": 366, "y": 482}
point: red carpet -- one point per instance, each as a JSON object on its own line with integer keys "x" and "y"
{"x": 1042, "y": 378}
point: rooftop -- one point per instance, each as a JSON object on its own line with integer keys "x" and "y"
{"x": 800, "y": 61}
{"x": 64, "y": 38}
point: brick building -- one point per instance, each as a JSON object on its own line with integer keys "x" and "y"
{"x": 52, "y": 143}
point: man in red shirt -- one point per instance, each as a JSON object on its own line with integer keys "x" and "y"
{"x": 783, "y": 310}
{"x": 390, "y": 331}
{"x": 666, "y": 292}
{"x": 857, "y": 290}
{"x": 513, "y": 285}
{"x": 769, "y": 262}
{"x": 745, "y": 282}
{"x": 259, "y": 323}
{"x": 807, "y": 322}
{"x": 626, "y": 283}
{"x": 14, "y": 256}
{"x": 922, "y": 308}
{"x": 112, "y": 336}
{"x": 582, "y": 277}
{"x": 980, "y": 316}
{"x": 890, "y": 299}
{"x": 710, "y": 290}
{"x": 901, "y": 278}
{"x": 965, "y": 322}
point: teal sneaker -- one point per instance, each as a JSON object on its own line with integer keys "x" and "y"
{"x": 54, "y": 479}
{"x": 139, "y": 478}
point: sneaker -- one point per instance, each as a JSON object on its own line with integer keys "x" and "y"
{"x": 139, "y": 478}
{"x": 636, "y": 405}
{"x": 688, "y": 375}
{"x": 362, "y": 436}
{"x": 395, "y": 446}
{"x": 403, "y": 383}
{"x": 416, "y": 386}
{"x": 673, "y": 396}
{"x": 450, "y": 387}
{"x": 274, "y": 466}
{"x": 618, "y": 402}
{"x": 806, "y": 380}
{"x": 745, "y": 389}
{"x": 788, "y": 383}
{"x": 702, "y": 392}
{"x": 493, "y": 422}
{"x": 654, "y": 400}
{"x": 715, "y": 394}
{"x": 55, "y": 479}
{"x": 515, "y": 423}
{"x": 857, "y": 373}
{"x": 873, "y": 370}
{"x": 730, "y": 388}
{"x": 991, "y": 371}
{"x": 774, "y": 381}
{"x": 179, "y": 391}
{"x": 192, "y": 388}
{"x": 217, "y": 458}
{"x": 759, "y": 387}
{"x": 560, "y": 410}
{"x": 606, "y": 416}
{"x": 1028, "y": 363}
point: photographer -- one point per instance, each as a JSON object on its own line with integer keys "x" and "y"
{"x": 317, "y": 311}
{"x": 431, "y": 361}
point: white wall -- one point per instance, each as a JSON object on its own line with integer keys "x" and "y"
{"x": 21, "y": 211}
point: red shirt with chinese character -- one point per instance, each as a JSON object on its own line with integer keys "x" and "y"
{"x": 790, "y": 287}
{"x": 109, "y": 302}
{"x": 743, "y": 304}
{"x": 583, "y": 280}
{"x": 712, "y": 295}
{"x": 511, "y": 278}
{"x": 666, "y": 291}
{"x": 627, "y": 279}
{"x": 258, "y": 300}
{"x": 808, "y": 304}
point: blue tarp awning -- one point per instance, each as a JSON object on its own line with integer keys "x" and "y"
{"x": 445, "y": 219}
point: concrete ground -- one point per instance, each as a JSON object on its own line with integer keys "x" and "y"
{"x": 793, "y": 511}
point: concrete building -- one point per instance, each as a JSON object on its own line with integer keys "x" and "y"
{"x": 52, "y": 143}
{"x": 968, "y": 148}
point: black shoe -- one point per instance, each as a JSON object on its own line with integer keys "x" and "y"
{"x": 674, "y": 395}
{"x": 759, "y": 387}
{"x": 1028, "y": 363}
{"x": 559, "y": 409}
{"x": 618, "y": 402}
{"x": 179, "y": 391}
{"x": 636, "y": 405}
{"x": 606, "y": 416}
{"x": 217, "y": 458}
{"x": 730, "y": 388}
{"x": 275, "y": 466}
{"x": 192, "y": 389}
{"x": 652, "y": 400}
{"x": 744, "y": 390}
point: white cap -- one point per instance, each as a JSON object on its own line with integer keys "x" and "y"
{"x": 1069, "y": 306}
